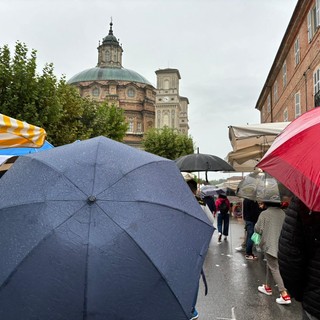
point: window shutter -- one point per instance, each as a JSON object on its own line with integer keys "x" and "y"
{"x": 318, "y": 12}
{"x": 309, "y": 27}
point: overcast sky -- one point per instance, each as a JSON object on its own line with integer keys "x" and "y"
{"x": 223, "y": 49}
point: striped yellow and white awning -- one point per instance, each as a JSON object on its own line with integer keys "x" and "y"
{"x": 15, "y": 133}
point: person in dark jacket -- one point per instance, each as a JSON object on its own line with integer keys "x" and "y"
{"x": 251, "y": 212}
{"x": 223, "y": 208}
{"x": 299, "y": 256}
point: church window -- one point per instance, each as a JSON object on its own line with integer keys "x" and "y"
{"x": 95, "y": 92}
{"x": 173, "y": 114}
{"x": 166, "y": 84}
{"x": 107, "y": 56}
{"x": 130, "y": 129}
{"x": 131, "y": 92}
{"x": 166, "y": 120}
{"x": 158, "y": 118}
{"x": 139, "y": 127}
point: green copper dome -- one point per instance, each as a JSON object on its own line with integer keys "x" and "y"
{"x": 100, "y": 74}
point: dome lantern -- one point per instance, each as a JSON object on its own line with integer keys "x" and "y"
{"x": 110, "y": 51}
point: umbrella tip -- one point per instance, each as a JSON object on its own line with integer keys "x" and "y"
{"x": 91, "y": 199}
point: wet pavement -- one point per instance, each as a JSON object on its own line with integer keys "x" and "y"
{"x": 233, "y": 283}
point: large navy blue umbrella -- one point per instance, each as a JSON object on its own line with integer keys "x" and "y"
{"x": 99, "y": 230}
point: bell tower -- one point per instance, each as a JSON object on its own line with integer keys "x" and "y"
{"x": 171, "y": 108}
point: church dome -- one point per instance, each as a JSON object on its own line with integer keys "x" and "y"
{"x": 101, "y": 74}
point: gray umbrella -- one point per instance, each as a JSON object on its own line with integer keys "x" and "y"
{"x": 98, "y": 230}
{"x": 260, "y": 186}
{"x": 197, "y": 162}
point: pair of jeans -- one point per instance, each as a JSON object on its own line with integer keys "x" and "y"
{"x": 249, "y": 242}
{"x": 223, "y": 219}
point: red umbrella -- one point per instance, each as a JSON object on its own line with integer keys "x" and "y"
{"x": 294, "y": 158}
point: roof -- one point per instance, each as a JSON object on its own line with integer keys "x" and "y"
{"x": 110, "y": 38}
{"x": 168, "y": 70}
{"x": 100, "y": 74}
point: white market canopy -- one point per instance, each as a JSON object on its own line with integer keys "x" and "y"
{"x": 15, "y": 133}
{"x": 251, "y": 142}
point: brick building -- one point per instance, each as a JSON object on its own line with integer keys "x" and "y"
{"x": 293, "y": 83}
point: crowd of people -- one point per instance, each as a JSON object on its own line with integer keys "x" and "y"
{"x": 289, "y": 236}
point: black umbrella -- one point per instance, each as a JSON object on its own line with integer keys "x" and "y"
{"x": 202, "y": 162}
{"x": 98, "y": 230}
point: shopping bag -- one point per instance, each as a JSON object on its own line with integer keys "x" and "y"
{"x": 256, "y": 238}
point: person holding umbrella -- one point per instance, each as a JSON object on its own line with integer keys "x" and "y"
{"x": 269, "y": 227}
{"x": 193, "y": 187}
{"x": 299, "y": 256}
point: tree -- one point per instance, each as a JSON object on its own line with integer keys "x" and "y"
{"x": 45, "y": 101}
{"x": 168, "y": 143}
{"x": 109, "y": 121}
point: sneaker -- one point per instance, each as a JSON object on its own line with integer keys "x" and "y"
{"x": 265, "y": 289}
{"x": 225, "y": 238}
{"x": 251, "y": 257}
{"x": 219, "y": 239}
{"x": 240, "y": 249}
{"x": 194, "y": 315}
{"x": 284, "y": 299}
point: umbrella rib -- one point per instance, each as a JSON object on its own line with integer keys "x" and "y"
{"x": 9, "y": 277}
{"x": 154, "y": 203}
{"x": 143, "y": 252}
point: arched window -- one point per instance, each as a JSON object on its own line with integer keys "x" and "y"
{"x": 166, "y": 84}
{"x": 130, "y": 122}
{"x": 107, "y": 56}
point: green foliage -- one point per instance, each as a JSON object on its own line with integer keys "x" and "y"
{"x": 109, "y": 121}
{"x": 168, "y": 143}
{"x": 45, "y": 101}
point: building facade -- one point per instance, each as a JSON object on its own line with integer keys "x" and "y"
{"x": 171, "y": 108}
{"x": 293, "y": 83}
{"x": 125, "y": 88}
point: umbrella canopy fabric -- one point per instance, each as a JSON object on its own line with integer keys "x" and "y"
{"x": 15, "y": 133}
{"x": 215, "y": 191}
{"x": 293, "y": 158}
{"x": 250, "y": 142}
{"x": 99, "y": 230}
{"x": 202, "y": 162}
{"x": 23, "y": 151}
{"x": 260, "y": 186}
